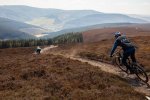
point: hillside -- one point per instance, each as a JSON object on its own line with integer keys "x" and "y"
{"x": 54, "y": 77}
{"x": 10, "y": 29}
{"x": 131, "y": 30}
{"x": 102, "y": 18}
{"x": 6, "y": 34}
{"x": 100, "y": 50}
{"x": 89, "y": 29}
{"x": 52, "y": 19}
{"x": 27, "y": 13}
{"x": 146, "y": 17}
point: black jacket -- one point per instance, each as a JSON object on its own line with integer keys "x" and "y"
{"x": 123, "y": 42}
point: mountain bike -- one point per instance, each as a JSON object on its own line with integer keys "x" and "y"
{"x": 138, "y": 70}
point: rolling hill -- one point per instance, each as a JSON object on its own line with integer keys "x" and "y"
{"x": 144, "y": 17}
{"x": 27, "y": 13}
{"x": 52, "y": 19}
{"x": 131, "y": 30}
{"x": 10, "y": 29}
{"x": 53, "y": 77}
{"x": 102, "y": 18}
{"x": 100, "y": 27}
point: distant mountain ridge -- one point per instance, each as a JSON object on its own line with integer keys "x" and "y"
{"x": 62, "y": 19}
{"x": 10, "y": 29}
{"x": 144, "y": 26}
{"x": 144, "y": 17}
{"x": 54, "y": 20}
{"x": 104, "y": 18}
{"x": 29, "y": 14}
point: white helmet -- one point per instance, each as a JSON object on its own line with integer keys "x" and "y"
{"x": 117, "y": 34}
{"x": 38, "y": 47}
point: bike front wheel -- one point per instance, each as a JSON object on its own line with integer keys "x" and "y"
{"x": 140, "y": 73}
{"x": 118, "y": 62}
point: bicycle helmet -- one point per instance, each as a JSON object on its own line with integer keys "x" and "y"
{"x": 117, "y": 34}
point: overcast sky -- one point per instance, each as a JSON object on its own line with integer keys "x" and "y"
{"x": 110, "y": 6}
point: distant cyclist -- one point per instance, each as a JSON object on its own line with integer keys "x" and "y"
{"x": 38, "y": 50}
{"x": 128, "y": 49}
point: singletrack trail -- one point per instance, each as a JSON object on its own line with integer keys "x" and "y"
{"x": 132, "y": 79}
{"x": 44, "y": 50}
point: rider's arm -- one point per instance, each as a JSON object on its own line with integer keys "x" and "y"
{"x": 114, "y": 47}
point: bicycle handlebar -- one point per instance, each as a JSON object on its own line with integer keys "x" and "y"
{"x": 119, "y": 51}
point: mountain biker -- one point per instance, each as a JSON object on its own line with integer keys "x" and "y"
{"x": 128, "y": 49}
{"x": 38, "y": 50}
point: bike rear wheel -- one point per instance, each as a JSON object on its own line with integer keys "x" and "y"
{"x": 140, "y": 73}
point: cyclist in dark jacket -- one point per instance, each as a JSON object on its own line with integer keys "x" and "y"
{"x": 128, "y": 49}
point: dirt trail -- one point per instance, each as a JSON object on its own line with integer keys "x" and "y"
{"x": 133, "y": 81}
{"x": 48, "y": 48}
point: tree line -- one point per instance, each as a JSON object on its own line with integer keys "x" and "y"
{"x": 68, "y": 38}
{"x": 62, "y": 39}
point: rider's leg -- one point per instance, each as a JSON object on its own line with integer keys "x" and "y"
{"x": 124, "y": 61}
{"x": 133, "y": 56}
